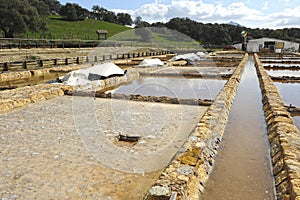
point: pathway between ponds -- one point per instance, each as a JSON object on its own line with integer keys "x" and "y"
{"x": 242, "y": 168}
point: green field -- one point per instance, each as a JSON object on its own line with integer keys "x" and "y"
{"x": 84, "y": 30}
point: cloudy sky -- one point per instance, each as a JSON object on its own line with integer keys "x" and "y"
{"x": 250, "y": 13}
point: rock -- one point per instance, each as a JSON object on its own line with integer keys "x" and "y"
{"x": 185, "y": 170}
{"x": 183, "y": 178}
{"x": 190, "y": 157}
{"x": 160, "y": 191}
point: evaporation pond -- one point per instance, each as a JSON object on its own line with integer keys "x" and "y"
{"x": 173, "y": 87}
{"x": 290, "y": 93}
{"x": 276, "y": 73}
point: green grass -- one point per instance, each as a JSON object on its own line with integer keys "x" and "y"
{"x": 84, "y": 30}
{"x": 158, "y": 40}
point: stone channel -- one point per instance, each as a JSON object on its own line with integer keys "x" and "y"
{"x": 243, "y": 167}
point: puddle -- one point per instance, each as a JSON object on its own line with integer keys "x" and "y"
{"x": 277, "y": 73}
{"x": 290, "y": 93}
{"x": 242, "y": 168}
{"x": 173, "y": 87}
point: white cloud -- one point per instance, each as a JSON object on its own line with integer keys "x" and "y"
{"x": 217, "y": 13}
{"x": 266, "y": 6}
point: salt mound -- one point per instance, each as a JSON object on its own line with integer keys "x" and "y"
{"x": 191, "y": 58}
{"x": 151, "y": 63}
{"x": 88, "y": 75}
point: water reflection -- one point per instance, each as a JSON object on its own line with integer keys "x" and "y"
{"x": 290, "y": 92}
{"x": 297, "y": 121}
{"x": 173, "y": 87}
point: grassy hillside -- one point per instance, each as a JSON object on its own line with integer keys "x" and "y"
{"x": 85, "y": 30}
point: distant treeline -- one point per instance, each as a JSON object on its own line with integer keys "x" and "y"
{"x": 225, "y": 34}
{"x": 19, "y": 16}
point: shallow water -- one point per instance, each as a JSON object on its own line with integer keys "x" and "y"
{"x": 242, "y": 167}
{"x": 290, "y": 93}
{"x": 297, "y": 121}
{"x": 173, "y": 87}
{"x": 295, "y": 73}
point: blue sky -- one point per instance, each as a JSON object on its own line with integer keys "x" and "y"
{"x": 250, "y": 13}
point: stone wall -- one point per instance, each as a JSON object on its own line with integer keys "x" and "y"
{"x": 11, "y": 99}
{"x": 188, "y": 172}
{"x": 284, "y": 138}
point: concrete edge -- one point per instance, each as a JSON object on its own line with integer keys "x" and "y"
{"x": 186, "y": 175}
{"x": 284, "y": 138}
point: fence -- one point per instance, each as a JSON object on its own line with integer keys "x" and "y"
{"x": 33, "y": 64}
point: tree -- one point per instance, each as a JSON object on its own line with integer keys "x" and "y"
{"x": 139, "y": 23}
{"x": 69, "y": 11}
{"x": 42, "y": 7}
{"x": 18, "y": 15}
{"x": 137, "y": 20}
{"x": 54, "y": 5}
{"x": 124, "y": 19}
{"x": 101, "y": 13}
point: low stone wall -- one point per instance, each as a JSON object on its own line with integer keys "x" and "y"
{"x": 137, "y": 97}
{"x": 11, "y": 99}
{"x": 188, "y": 172}
{"x": 6, "y": 77}
{"x": 284, "y": 138}
{"x": 14, "y": 76}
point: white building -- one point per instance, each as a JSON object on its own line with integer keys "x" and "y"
{"x": 272, "y": 45}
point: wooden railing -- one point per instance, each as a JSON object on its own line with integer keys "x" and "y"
{"x": 33, "y": 64}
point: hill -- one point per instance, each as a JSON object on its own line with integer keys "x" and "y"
{"x": 84, "y": 30}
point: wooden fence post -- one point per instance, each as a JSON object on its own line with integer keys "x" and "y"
{"x": 41, "y": 63}
{"x": 5, "y": 67}
{"x": 25, "y": 64}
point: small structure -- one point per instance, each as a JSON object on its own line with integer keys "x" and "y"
{"x": 272, "y": 45}
{"x": 102, "y": 34}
